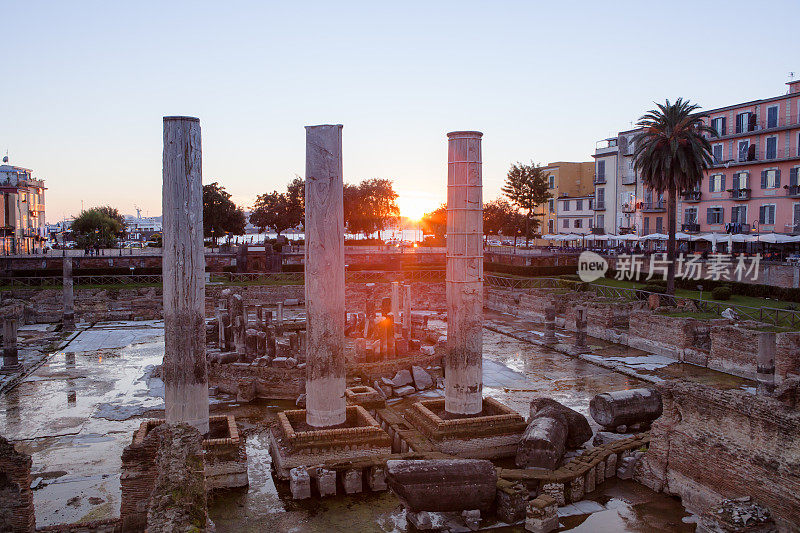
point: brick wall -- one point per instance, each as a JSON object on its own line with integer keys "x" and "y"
{"x": 16, "y": 498}
{"x": 713, "y": 444}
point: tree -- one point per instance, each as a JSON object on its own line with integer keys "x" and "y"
{"x": 96, "y": 228}
{"x": 370, "y": 206}
{"x": 671, "y": 155}
{"x": 526, "y": 187}
{"x": 435, "y": 223}
{"x": 280, "y": 211}
{"x": 220, "y": 214}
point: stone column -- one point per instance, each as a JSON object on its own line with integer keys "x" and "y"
{"x": 463, "y": 363}
{"x": 10, "y": 359}
{"x": 184, "y": 370}
{"x": 407, "y": 312}
{"x": 550, "y": 325}
{"x": 396, "y": 301}
{"x": 765, "y": 371}
{"x": 68, "y": 320}
{"x": 324, "y": 277}
{"x": 580, "y": 331}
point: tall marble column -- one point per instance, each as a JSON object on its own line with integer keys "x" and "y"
{"x": 324, "y": 277}
{"x": 68, "y": 319}
{"x": 184, "y": 370}
{"x": 463, "y": 362}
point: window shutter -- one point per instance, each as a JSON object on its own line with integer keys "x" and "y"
{"x": 735, "y": 182}
{"x": 711, "y": 183}
{"x": 763, "y": 179}
{"x": 762, "y": 211}
{"x": 724, "y": 124}
{"x": 708, "y": 216}
{"x": 778, "y": 178}
{"x": 793, "y": 177}
{"x": 722, "y": 179}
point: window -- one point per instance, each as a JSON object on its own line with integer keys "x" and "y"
{"x": 739, "y": 181}
{"x": 551, "y": 180}
{"x": 590, "y": 223}
{"x": 577, "y": 223}
{"x": 601, "y": 221}
{"x": 659, "y": 224}
{"x": 739, "y": 214}
{"x": 719, "y": 125}
{"x": 590, "y": 204}
{"x": 565, "y": 205}
{"x": 770, "y": 179}
{"x": 718, "y": 153}
{"x": 771, "y": 151}
{"x": 578, "y": 205}
{"x": 646, "y": 226}
{"x": 744, "y": 150}
{"x": 745, "y": 122}
{"x": 601, "y": 198}
{"x": 601, "y": 169}
{"x": 716, "y": 183}
{"x": 690, "y": 215}
{"x": 793, "y": 176}
{"x": 714, "y": 215}
{"x": 550, "y": 226}
{"x": 551, "y": 205}
{"x": 565, "y": 223}
{"x": 772, "y": 116}
{"x": 766, "y": 214}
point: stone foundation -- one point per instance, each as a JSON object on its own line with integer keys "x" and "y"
{"x": 294, "y": 444}
{"x": 16, "y": 498}
{"x": 250, "y": 381}
{"x": 492, "y": 435}
{"x": 710, "y": 445}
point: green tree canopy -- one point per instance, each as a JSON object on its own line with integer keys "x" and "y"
{"x": 96, "y": 227}
{"x": 527, "y": 187}
{"x": 501, "y": 217}
{"x": 672, "y": 153}
{"x": 370, "y": 206}
{"x": 220, "y": 215}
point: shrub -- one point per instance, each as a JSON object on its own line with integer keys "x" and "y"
{"x": 532, "y": 271}
{"x": 570, "y": 277}
{"x": 654, "y": 287}
{"x": 723, "y": 292}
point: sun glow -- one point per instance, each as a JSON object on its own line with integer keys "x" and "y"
{"x": 414, "y": 206}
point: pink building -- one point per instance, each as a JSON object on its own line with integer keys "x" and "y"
{"x": 753, "y": 185}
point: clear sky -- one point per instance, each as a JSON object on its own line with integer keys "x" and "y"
{"x": 85, "y": 84}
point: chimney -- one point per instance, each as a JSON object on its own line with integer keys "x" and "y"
{"x": 794, "y": 86}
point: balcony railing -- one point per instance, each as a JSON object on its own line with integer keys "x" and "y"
{"x": 792, "y": 228}
{"x": 653, "y": 207}
{"x": 736, "y": 228}
{"x": 739, "y": 194}
{"x": 599, "y": 180}
{"x": 691, "y": 227}
{"x": 600, "y": 206}
{"x": 691, "y": 196}
{"x": 628, "y": 208}
{"x": 792, "y": 191}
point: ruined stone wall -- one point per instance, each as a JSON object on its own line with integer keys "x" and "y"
{"x": 16, "y": 498}
{"x": 734, "y": 349}
{"x": 249, "y": 381}
{"x": 714, "y": 444}
{"x": 138, "y": 477}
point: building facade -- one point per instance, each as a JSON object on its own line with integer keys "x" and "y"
{"x": 565, "y": 179}
{"x": 22, "y": 219}
{"x": 753, "y": 185}
{"x": 575, "y": 214}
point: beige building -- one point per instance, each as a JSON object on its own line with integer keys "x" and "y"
{"x": 565, "y": 179}
{"x": 22, "y": 223}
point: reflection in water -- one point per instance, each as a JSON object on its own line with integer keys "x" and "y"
{"x": 70, "y": 359}
{"x": 12, "y": 408}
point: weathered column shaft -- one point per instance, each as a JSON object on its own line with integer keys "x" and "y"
{"x": 407, "y": 312}
{"x": 68, "y": 319}
{"x": 324, "y": 277}
{"x": 550, "y": 325}
{"x": 185, "y": 373}
{"x": 396, "y": 301}
{"x": 463, "y": 363}
{"x": 10, "y": 357}
{"x": 765, "y": 370}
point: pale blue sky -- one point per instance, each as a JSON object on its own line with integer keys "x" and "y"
{"x": 85, "y": 84}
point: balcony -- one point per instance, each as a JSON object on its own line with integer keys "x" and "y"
{"x": 598, "y": 230}
{"x": 735, "y": 228}
{"x": 600, "y": 206}
{"x": 599, "y": 180}
{"x": 691, "y": 227}
{"x": 691, "y": 196}
{"x": 653, "y": 207}
{"x": 794, "y": 229}
{"x": 739, "y": 194}
{"x": 628, "y": 208}
{"x": 629, "y": 180}
{"x": 792, "y": 191}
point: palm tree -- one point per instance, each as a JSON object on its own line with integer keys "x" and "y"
{"x": 671, "y": 155}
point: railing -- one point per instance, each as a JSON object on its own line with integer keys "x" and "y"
{"x": 599, "y": 206}
{"x": 653, "y": 206}
{"x": 739, "y": 194}
{"x": 598, "y": 180}
{"x": 691, "y": 227}
{"x": 791, "y": 228}
{"x": 792, "y": 191}
{"x": 691, "y": 196}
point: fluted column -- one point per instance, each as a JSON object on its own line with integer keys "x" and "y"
{"x": 463, "y": 363}
{"x": 324, "y": 277}
{"x": 184, "y": 370}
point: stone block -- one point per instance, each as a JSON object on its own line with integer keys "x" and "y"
{"x": 300, "y": 483}
{"x": 589, "y": 480}
{"x": 542, "y": 515}
{"x": 376, "y": 478}
{"x": 421, "y": 520}
{"x": 402, "y": 378}
{"x": 428, "y": 350}
{"x": 472, "y": 519}
{"x": 599, "y": 473}
{"x": 557, "y": 491}
{"x": 443, "y": 485}
{"x": 422, "y": 380}
{"x": 511, "y": 501}
{"x": 352, "y": 481}
{"x": 576, "y": 489}
{"x": 404, "y": 391}
{"x": 611, "y": 466}
{"x": 542, "y": 444}
{"x": 326, "y": 482}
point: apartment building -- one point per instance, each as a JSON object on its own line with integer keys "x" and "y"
{"x": 575, "y": 214}
{"x": 753, "y": 185}
{"x": 565, "y": 179}
{"x": 22, "y": 219}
